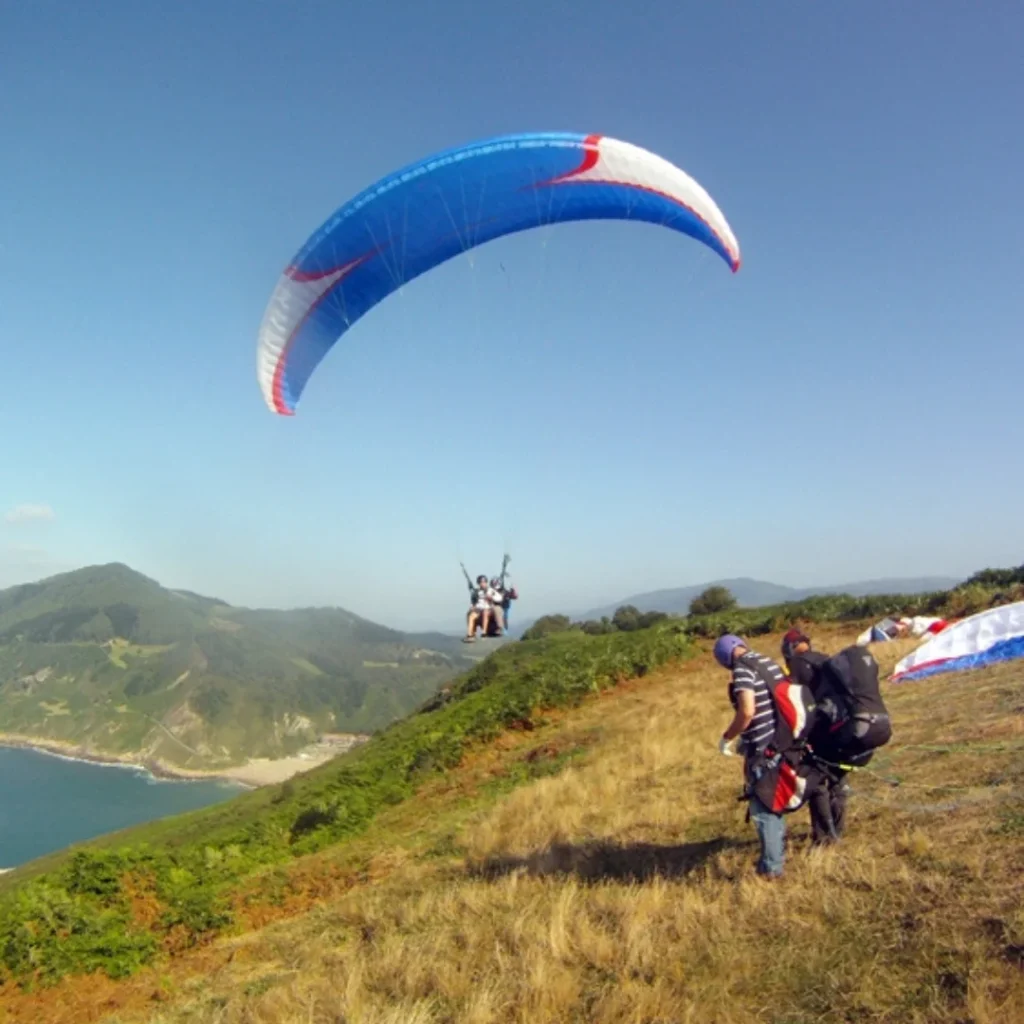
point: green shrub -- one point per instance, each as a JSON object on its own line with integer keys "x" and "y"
{"x": 547, "y": 624}
{"x": 47, "y": 932}
{"x": 94, "y": 872}
{"x": 998, "y": 578}
{"x": 192, "y": 904}
{"x": 967, "y": 599}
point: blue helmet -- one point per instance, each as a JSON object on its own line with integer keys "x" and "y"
{"x": 725, "y": 647}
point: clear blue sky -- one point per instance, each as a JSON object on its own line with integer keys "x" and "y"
{"x": 847, "y": 406}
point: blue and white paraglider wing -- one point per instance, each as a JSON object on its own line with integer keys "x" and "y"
{"x": 983, "y": 639}
{"x": 415, "y": 219}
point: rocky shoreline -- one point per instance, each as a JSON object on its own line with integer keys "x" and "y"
{"x": 77, "y": 752}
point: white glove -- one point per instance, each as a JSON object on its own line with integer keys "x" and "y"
{"x": 725, "y": 747}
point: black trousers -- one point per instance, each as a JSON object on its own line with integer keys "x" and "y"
{"x": 827, "y": 804}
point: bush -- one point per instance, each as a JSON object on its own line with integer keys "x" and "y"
{"x": 967, "y": 599}
{"x": 648, "y": 619}
{"x": 628, "y": 619}
{"x": 46, "y": 932}
{"x": 1001, "y": 578}
{"x": 548, "y": 624}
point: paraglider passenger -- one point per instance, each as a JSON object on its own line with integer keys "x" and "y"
{"x": 803, "y": 663}
{"x": 497, "y": 595}
{"x": 481, "y": 609}
{"x": 827, "y": 802}
{"x": 851, "y": 722}
{"x": 754, "y": 724}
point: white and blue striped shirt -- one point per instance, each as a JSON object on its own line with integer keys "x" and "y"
{"x": 748, "y": 675}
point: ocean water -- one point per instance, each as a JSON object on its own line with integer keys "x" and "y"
{"x": 47, "y": 803}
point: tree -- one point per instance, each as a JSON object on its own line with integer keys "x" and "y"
{"x": 713, "y": 600}
{"x": 548, "y": 624}
{"x": 626, "y": 619}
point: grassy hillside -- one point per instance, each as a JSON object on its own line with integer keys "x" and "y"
{"x": 193, "y": 868}
{"x": 107, "y": 658}
{"x": 596, "y": 866}
{"x": 575, "y": 843}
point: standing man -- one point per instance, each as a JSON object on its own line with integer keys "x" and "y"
{"x": 754, "y": 723}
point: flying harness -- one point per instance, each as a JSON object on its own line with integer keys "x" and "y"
{"x": 779, "y": 772}
{"x": 854, "y": 721}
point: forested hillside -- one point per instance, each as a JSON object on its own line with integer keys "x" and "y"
{"x": 109, "y": 659}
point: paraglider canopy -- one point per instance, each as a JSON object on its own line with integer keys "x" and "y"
{"x": 983, "y": 639}
{"x": 420, "y": 216}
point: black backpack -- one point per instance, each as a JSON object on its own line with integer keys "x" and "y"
{"x": 854, "y": 675}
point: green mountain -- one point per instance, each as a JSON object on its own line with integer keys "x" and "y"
{"x": 108, "y": 659}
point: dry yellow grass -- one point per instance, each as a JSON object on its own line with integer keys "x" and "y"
{"x": 622, "y": 889}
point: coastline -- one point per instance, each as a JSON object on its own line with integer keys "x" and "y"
{"x": 252, "y": 774}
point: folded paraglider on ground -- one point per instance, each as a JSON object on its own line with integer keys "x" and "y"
{"x": 987, "y": 638}
{"x": 896, "y": 629}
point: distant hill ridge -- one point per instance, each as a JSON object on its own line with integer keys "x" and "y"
{"x": 107, "y": 658}
{"x": 752, "y": 593}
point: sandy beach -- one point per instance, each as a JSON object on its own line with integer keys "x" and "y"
{"x": 254, "y": 773}
{"x": 267, "y": 772}
{"x": 257, "y": 771}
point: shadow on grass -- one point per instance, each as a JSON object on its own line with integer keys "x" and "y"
{"x": 600, "y": 861}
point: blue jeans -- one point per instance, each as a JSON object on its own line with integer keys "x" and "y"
{"x": 771, "y": 830}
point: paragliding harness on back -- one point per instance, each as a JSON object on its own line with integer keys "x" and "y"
{"x": 779, "y": 773}
{"x": 850, "y": 701}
